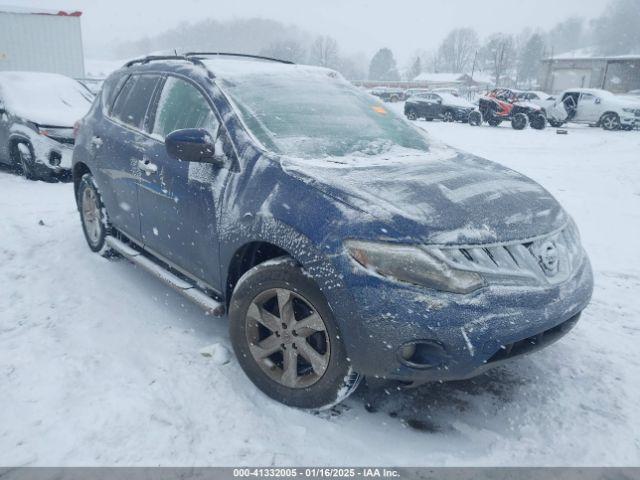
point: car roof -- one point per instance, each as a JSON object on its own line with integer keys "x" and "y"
{"x": 225, "y": 67}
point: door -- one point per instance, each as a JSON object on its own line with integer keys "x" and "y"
{"x": 178, "y": 202}
{"x": 119, "y": 146}
{"x": 589, "y": 108}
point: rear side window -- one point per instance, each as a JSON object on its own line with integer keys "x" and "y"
{"x": 181, "y": 105}
{"x": 133, "y": 100}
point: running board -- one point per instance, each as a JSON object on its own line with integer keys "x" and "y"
{"x": 183, "y": 287}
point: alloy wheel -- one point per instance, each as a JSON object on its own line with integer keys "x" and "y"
{"x": 447, "y": 117}
{"x": 91, "y": 216}
{"x": 287, "y": 338}
{"x": 610, "y": 122}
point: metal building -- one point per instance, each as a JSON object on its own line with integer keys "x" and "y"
{"x": 618, "y": 74}
{"x": 41, "y": 40}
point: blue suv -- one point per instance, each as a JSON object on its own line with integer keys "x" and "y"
{"x": 341, "y": 240}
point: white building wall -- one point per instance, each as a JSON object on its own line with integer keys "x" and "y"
{"x": 42, "y": 43}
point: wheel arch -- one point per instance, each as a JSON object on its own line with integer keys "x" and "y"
{"x": 248, "y": 256}
{"x": 79, "y": 169}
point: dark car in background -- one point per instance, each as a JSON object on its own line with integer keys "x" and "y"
{"x": 37, "y": 114}
{"x": 339, "y": 239}
{"x": 444, "y": 106}
{"x": 388, "y": 94}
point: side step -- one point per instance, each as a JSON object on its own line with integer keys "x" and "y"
{"x": 210, "y": 305}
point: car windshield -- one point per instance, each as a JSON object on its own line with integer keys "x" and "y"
{"x": 311, "y": 112}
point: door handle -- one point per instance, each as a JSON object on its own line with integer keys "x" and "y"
{"x": 147, "y": 166}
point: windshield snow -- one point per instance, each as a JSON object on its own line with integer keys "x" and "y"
{"x": 311, "y": 112}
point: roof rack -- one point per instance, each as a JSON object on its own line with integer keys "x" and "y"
{"x": 154, "y": 58}
{"x": 230, "y": 54}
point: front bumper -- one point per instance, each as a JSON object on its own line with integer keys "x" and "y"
{"x": 464, "y": 334}
{"x": 630, "y": 121}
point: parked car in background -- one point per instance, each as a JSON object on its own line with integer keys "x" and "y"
{"x": 388, "y": 94}
{"x": 411, "y": 92}
{"x": 503, "y": 104}
{"x": 444, "y": 106}
{"x": 542, "y": 99}
{"x": 37, "y": 114}
{"x": 340, "y": 242}
{"x": 453, "y": 91}
{"x": 595, "y": 107}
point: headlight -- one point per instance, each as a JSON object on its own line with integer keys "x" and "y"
{"x": 414, "y": 265}
{"x": 58, "y": 134}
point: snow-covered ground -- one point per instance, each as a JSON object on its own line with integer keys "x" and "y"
{"x": 100, "y": 364}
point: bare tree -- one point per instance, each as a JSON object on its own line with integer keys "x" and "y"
{"x": 457, "y": 50}
{"x": 567, "y": 35}
{"x": 324, "y": 52}
{"x": 289, "y": 49}
{"x": 529, "y": 56}
{"x": 498, "y": 56}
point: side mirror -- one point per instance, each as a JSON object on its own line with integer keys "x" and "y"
{"x": 597, "y": 101}
{"x": 191, "y": 145}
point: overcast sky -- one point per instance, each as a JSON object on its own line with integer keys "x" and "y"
{"x": 358, "y": 25}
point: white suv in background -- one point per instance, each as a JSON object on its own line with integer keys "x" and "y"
{"x": 595, "y": 107}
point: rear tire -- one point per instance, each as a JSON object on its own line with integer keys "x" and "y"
{"x": 475, "y": 118}
{"x": 285, "y": 337}
{"x": 538, "y": 121}
{"x": 519, "y": 121}
{"x": 93, "y": 216}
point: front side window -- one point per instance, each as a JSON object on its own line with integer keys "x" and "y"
{"x": 181, "y": 105}
{"x": 131, "y": 104}
{"x": 311, "y": 114}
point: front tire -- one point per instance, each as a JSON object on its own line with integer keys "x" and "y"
{"x": 23, "y": 160}
{"x": 448, "y": 116}
{"x": 610, "y": 121}
{"x": 285, "y": 337}
{"x": 411, "y": 115}
{"x": 93, "y": 216}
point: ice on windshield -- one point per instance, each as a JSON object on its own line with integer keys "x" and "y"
{"x": 313, "y": 112}
{"x": 44, "y": 98}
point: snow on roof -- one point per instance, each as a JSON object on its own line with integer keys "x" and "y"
{"x": 453, "y": 77}
{"x": 45, "y": 98}
{"x": 439, "y": 77}
{"x": 38, "y": 11}
{"x": 241, "y": 67}
{"x": 590, "y": 53}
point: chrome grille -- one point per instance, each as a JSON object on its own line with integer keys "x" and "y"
{"x": 550, "y": 259}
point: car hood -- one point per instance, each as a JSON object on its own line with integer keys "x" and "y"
{"x": 442, "y": 196}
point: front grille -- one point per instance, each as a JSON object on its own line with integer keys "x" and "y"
{"x": 534, "y": 342}
{"x": 63, "y": 140}
{"x": 550, "y": 259}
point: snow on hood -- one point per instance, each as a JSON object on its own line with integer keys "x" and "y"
{"x": 441, "y": 196}
{"x": 44, "y": 98}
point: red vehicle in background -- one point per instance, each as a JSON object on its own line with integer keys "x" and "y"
{"x": 503, "y": 104}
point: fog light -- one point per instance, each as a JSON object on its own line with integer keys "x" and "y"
{"x": 422, "y": 354}
{"x": 54, "y": 159}
{"x": 408, "y": 350}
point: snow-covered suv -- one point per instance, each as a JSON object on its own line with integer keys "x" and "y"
{"x": 37, "y": 114}
{"x": 595, "y": 107}
{"x": 341, "y": 240}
